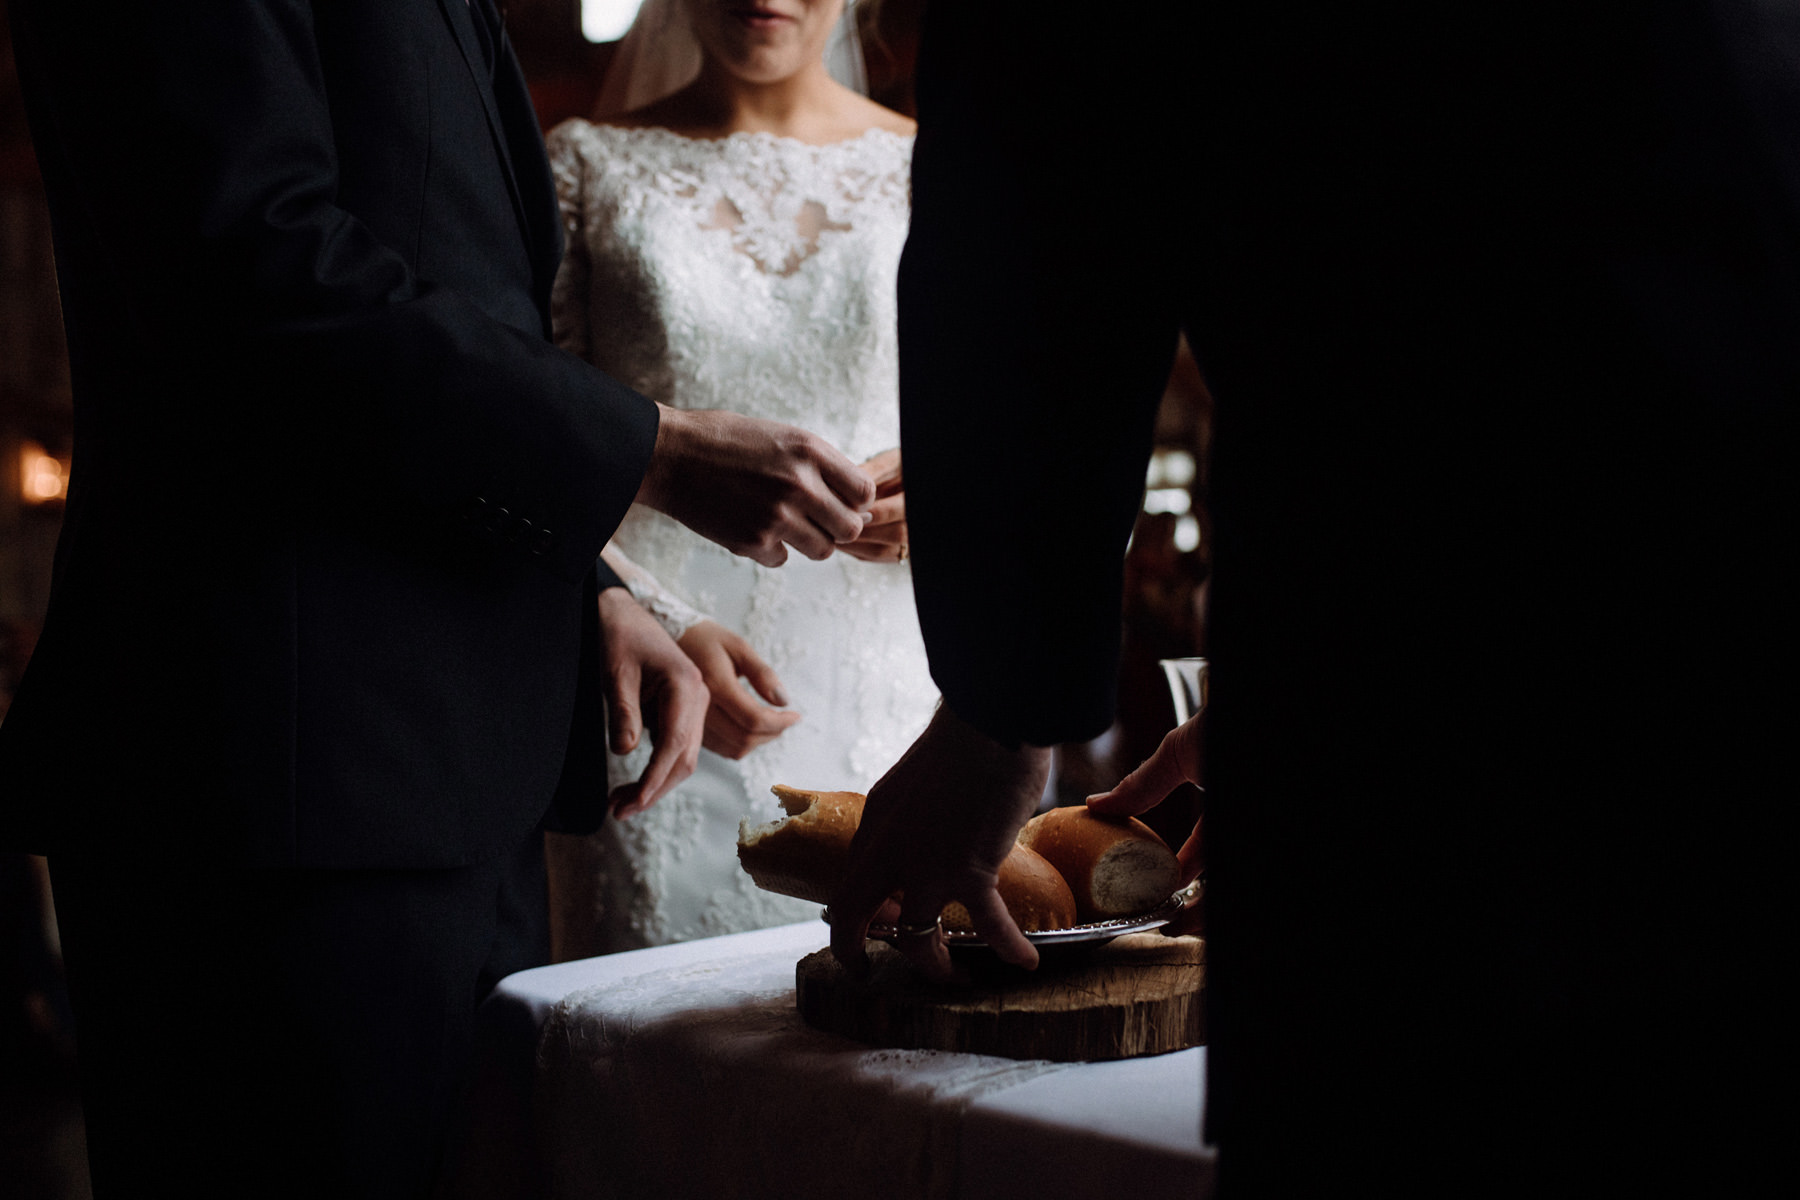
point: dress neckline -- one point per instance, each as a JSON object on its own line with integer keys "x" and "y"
{"x": 753, "y": 136}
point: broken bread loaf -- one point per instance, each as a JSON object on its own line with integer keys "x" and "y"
{"x": 1037, "y": 897}
{"x": 1116, "y": 866}
{"x": 804, "y": 854}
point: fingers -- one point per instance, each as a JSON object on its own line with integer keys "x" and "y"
{"x": 828, "y": 498}
{"x": 884, "y": 540}
{"x": 1189, "y": 857}
{"x": 852, "y": 909}
{"x": 851, "y": 484}
{"x": 833, "y": 520}
{"x": 669, "y": 765}
{"x": 816, "y": 532}
{"x": 727, "y": 737}
{"x": 737, "y": 706}
{"x": 678, "y": 727}
{"x": 665, "y": 770}
{"x": 922, "y": 941}
{"x": 624, "y": 725}
{"x": 888, "y": 510}
{"x": 876, "y": 552}
{"x": 735, "y": 722}
{"x": 998, "y": 929}
{"x": 1174, "y": 763}
{"x": 1191, "y": 919}
{"x": 920, "y": 938}
{"x": 813, "y": 526}
{"x": 890, "y": 535}
{"x": 884, "y": 469}
{"x": 757, "y": 486}
{"x": 624, "y": 800}
{"x": 761, "y": 675}
{"x": 812, "y": 540}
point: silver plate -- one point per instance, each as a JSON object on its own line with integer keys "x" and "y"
{"x": 1094, "y": 932}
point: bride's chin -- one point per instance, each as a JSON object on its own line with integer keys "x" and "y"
{"x": 764, "y": 66}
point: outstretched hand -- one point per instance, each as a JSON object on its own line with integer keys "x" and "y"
{"x": 1176, "y": 761}
{"x": 735, "y": 723}
{"x": 650, "y": 685}
{"x": 935, "y": 829}
{"x": 755, "y": 487}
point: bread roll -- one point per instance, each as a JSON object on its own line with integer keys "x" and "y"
{"x": 804, "y": 854}
{"x": 1034, "y": 893}
{"x": 1116, "y": 866}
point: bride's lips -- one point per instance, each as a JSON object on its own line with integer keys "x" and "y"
{"x": 758, "y": 18}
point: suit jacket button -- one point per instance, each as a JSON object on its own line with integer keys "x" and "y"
{"x": 496, "y": 519}
{"x": 475, "y": 509}
{"x": 519, "y": 531}
{"x": 541, "y": 541}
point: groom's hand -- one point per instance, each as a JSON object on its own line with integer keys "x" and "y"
{"x": 935, "y": 829}
{"x": 755, "y": 487}
{"x": 650, "y": 685}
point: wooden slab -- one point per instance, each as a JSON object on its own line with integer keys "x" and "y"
{"x": 1136, "y": 995}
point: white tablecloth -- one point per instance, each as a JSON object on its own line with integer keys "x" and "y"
{"x": 686, "y": 1071}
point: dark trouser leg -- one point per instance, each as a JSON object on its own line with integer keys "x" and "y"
{"x": 278, "y": 1033}
{"x": 491, "y": 1152}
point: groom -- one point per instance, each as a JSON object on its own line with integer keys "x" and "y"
{"x": 323, "y": 644}
{"x": 1501, "y": 308}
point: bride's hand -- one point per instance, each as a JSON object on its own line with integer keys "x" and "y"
{"x": 735, "y": 723}
{"x": 884, "y": 539}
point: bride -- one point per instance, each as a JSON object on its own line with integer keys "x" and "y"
{"x": 734, "y": 231}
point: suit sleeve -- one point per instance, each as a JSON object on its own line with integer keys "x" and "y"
{"x": 198, "y": 141}
{"x": 1037, "y": 327}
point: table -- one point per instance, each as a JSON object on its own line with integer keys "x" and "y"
{"x": 685, "y": 1071}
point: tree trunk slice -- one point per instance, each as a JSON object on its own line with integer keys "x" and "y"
{"x": 1136, "y": 995}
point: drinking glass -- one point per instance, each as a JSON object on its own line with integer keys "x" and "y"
{"x": 1187, "y": 685}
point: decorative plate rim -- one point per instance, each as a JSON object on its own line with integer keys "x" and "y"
{"x": 1094, "y": 931}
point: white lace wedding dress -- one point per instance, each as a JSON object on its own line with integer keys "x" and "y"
{"x": 756, "y": 274}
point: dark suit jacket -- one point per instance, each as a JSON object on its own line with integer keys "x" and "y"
{"x": 324, "y": 590}
{"x": 1500, "y": 305}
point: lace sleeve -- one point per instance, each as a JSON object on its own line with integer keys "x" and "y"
{"x": 673, "y": 614}
{"x": 569, "y": 293}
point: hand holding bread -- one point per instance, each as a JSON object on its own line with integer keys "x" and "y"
{"x": 935, "y": 829}
{"x": 805, "y": 854}
{"x": 1066, "y": 865}
{"x": 1114, "y": 866}
{"x": 939, "y": 830}
{"x": 1176, "y": 761}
